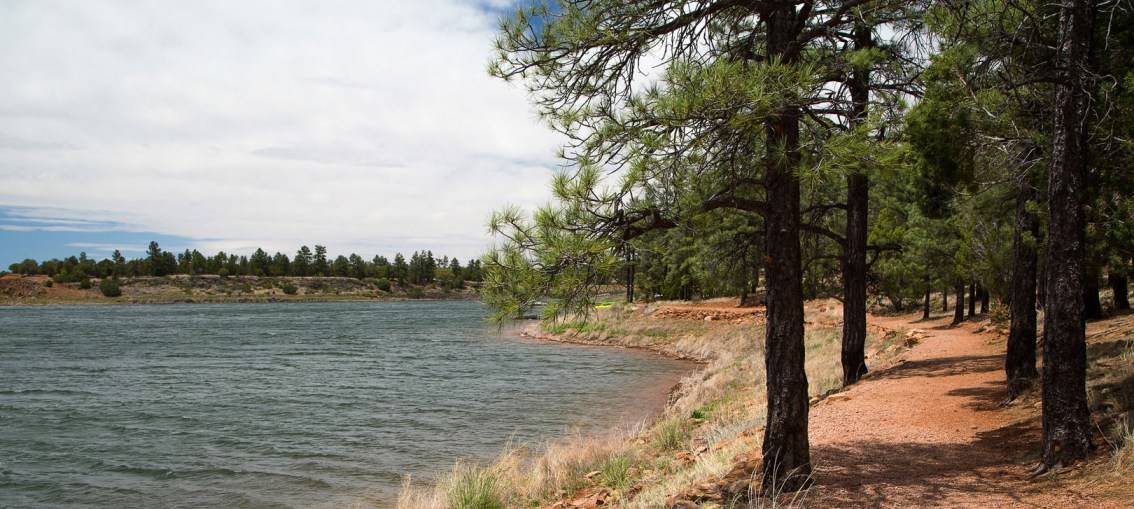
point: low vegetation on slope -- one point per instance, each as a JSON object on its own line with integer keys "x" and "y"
{"x": 16, "y": 289}
{"x": 713, "y": 421}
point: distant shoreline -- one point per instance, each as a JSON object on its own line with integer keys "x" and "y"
{"x": 16, "y": 290}
{"x": 660, "y": 395}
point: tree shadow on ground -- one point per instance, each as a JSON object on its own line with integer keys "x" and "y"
{"x": 988, "y": 397}
{"x": 911, "y": 474}
{"x": 943, "y": 366}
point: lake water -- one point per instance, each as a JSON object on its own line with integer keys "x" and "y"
{"x": 283, "y": 405}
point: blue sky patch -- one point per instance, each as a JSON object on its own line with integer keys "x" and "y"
{"x": 25, "y": 233}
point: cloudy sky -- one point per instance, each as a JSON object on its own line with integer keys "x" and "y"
{"x": 366, "y": 126}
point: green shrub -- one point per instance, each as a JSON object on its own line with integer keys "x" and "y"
{"x": 416, "y": 293}
{"x": 85, "y": 283}
{"x": 290, "y": 289}
{"x": 383, "y": 284}
{"x": 109, "y": 287}
{"x": 223, "y": 272}
{"x": 49, "y": 283}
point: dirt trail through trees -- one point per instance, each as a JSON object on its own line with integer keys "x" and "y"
{"x": 930, "y": 431}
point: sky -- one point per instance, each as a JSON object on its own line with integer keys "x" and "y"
{"x": 366, "y": 126}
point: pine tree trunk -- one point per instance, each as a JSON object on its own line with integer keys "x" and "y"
{"x": 1066, "y": 418}
{"x": 629, "y": 276}
{"x": 972, "y": 299}
{"x": 925, "y": 309}
{"x": 1041, "y": 285}
{"x": 1092, "y": 305}
{"x": 959, "y": 310}
{"x": 944, "y": 299}
{"x": 854, "y": 254}
{"x": 787, "y": 456}
{"x": 984, "y": 296}
{"x": 854, "y": 281}
{"x": 1020, "y": 361}
{"x": 1120, "y": 286}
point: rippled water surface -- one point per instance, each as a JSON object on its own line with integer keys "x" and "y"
{"x": 296, "y": 404}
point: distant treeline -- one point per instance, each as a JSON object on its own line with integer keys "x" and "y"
{"x": 422, "y": 268}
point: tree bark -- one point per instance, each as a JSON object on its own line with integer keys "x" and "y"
{"x": 1092, "y": 305}
{"x": 854, "y": 282}
{"x": 972, "y": 299}
{"x": 984, "y": 296}
{"x": 854, "y": 254}
{"x": 787, "y": 456}
{"x": 1020, "y": 361}
{"x": 629, "y": 275}
{"x": 1066, "y": 418}
{"x": 925, "y": 309}
{"x": 959, "y": 310}
{"x": 1120, "y": 286}
{"x": 944, "y": 299}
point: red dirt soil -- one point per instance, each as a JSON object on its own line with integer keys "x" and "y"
{"x": 716, "y": 309}
{"x": 931, "y": 431}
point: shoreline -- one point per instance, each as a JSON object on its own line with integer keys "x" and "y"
{"x": 671, "y": 387}
{"x": 708, "y": 427}
{"x": 575, "y": 339}
{"x": 164, "y": 302}
{"x": 17, "y": 290}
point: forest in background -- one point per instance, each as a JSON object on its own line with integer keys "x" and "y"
{"x": 834, "y": 148}
{"x": 422, "y": 268}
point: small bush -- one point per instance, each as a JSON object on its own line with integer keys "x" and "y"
{"x": 109, "y": 287}
{"x": 49, "y": 283}
{"x": 1000, "y": 314}
{"x": 416, "y": 293}
{"x": 383, "y": 284}
{"x": 290, "y": 289}
{"x": 85, "y": 283}
{"x": 223, "y": 272}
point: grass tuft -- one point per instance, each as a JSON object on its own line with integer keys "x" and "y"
{"x": 616, "y": 471}
{"x": 1123, "y": 459}
{"x": 672, "y": 434}
{"x": 474, "y": 488}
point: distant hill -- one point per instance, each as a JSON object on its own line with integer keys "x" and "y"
{"x": 16, "y": 289}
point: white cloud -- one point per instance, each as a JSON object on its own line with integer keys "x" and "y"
{"x": 107, "y": 249}
{"x": 365, "y": 126}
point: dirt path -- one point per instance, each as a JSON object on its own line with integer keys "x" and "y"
{"x": 930, "y": 431}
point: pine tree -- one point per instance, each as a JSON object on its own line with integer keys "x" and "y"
{"x": 301, "y": 266}
{"x": 319, "y": 264}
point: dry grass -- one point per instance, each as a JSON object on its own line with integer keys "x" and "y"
{"x": 1111, "y": 398}
{"x": 714, "y": 416}
{"x": 521, "y": 476}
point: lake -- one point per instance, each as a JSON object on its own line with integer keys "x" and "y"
{"x": 285, "y": 405}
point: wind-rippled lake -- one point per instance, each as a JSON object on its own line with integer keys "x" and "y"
{"x": 284, "y": 405}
